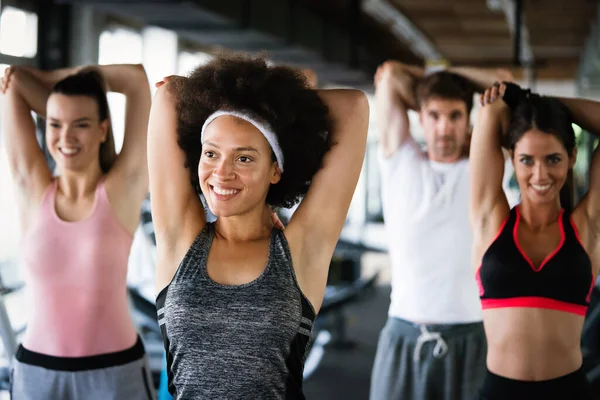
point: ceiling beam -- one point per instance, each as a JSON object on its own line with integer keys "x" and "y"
{"x": 402, "y": 28}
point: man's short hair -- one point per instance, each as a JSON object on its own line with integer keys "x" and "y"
{"x": 446, "y": 86}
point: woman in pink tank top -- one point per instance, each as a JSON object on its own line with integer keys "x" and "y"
{"x": 78, "y": 227}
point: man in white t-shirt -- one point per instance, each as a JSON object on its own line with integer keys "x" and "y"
{"x": 433, "y": 345}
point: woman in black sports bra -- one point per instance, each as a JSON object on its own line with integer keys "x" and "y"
{"x": 536, "y": 264}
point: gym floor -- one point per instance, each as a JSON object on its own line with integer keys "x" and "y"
{"x": 345, "y": 374}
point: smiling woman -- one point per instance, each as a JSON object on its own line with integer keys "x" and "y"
{"x": 78, "y": 104}
{"x": 78, "y": 228}
{"x": 542, "y": 144}
{"x": 537, "y": 262}
{"x": 249, "y": 137}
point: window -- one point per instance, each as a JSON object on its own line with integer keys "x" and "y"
{"x": 188, "y": 61}
{"x": 18, "y": 32}
{"x": 160, "y": 54}
{"x": 119, "y": 46}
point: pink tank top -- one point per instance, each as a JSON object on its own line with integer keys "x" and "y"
{"x": 75, "y": 276}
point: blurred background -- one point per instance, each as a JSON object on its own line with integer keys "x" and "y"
{"x": 552, "y": 46}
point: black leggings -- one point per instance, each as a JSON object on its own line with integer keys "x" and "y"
{"x": 573, "y": 386}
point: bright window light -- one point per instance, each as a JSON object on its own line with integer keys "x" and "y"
{"x": 160, "y": 54}
{"x": 119, "y": 46}
{"x": 18, "y": 32}
{"x": 188, "y": 61}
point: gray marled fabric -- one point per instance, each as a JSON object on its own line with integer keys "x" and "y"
{"x": 235, "y": 342}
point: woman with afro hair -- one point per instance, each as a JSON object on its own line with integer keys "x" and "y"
{"x": 237, "y": 298}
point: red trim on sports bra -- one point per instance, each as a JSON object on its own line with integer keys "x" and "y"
{"x": 477, "y": 273}
{"x": 478, "y": 279}
{"x": 549, "y": 257}
{"x": 589, "y": 295}
{"x": 500, "y": 230}
{"x": 588, "y": 298}
{"x": 534, "y": 302}
{"x": 576, "y": 231}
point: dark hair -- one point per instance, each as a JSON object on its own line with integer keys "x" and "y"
{"x": 277, "y": 95}
{"x": 548, "y": 115}
{"x": 445, "y": 85}
{"x": 90, "y": 83}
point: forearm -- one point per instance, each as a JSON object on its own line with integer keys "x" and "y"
{"x": 398, "y": 84}
{"x": 348, "y": 109}
{"x": 125, "y": 78}
{"x": 50, "y": 78}
{"x": 482, "y": 78}
{"x": 33, "y": 90}
{"x": 392, "y": 119}
{"x": 415, "y": 71}
{"x": 585, "y": 113}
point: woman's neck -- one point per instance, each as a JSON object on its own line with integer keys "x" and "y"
{"x": 253, "y": 225}
{"x": 76, "y": 185}
{"x": 537, "y": 217}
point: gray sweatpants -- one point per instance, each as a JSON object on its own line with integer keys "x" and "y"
{"x": 429, "y": 362}
{"x": 124, "y": 381}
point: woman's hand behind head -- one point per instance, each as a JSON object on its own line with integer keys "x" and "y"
{"x": 168, "y": 79}
{"x": 493, "y": 101}
{"x": 5, "y": 80}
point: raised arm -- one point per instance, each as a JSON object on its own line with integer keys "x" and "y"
{"x": 586, "y": 114}
{"x": 488, "y": 204}
{"x": 177, "y": 212}
{"x": 483, "y": 78}
{"x": 394, "y": 96}
{"x": 132, "y": 81}
{"x": 317, "y": 223}
{"x": 22, "y": 93}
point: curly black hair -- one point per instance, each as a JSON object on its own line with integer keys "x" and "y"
{"x": 276, "y": 94}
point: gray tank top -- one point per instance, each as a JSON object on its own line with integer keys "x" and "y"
{"x": 235, "y": 342}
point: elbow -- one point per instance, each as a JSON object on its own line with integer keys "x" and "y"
{"x": 16, "y": 81}
{"x": 140, "y": 70}
{"x": 359, "y": 107}
{"x": 358, "y": 104}
{"x": 140, "y": 77}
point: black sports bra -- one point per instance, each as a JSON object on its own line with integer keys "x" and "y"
{"x": 508, "y": 278}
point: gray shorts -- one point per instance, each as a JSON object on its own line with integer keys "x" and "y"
{"x": 429, "y": 362}
{"x": 122, "y": 375}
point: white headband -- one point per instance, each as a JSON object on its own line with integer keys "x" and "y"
{"x": 263, "y": 127}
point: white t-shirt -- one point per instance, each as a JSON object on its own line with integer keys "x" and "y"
{"x": 426, "y": 214}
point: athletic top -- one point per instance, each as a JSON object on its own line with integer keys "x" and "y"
{"x": 235, "y": 342}
{"x": 426, "y": 213}
{"x": 75, "y": 281}
{"x": 508, "y": 278}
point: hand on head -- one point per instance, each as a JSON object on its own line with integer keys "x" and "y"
{"x": 496, "y": 92}
{"x": 5, "y": 81}
{"x": 311, "y": 77}
{"x": 388, "y": 67}
{"x": 276, "y": 221}
{"x": 167, "y": 79}
{"x": 494, "y": 98}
